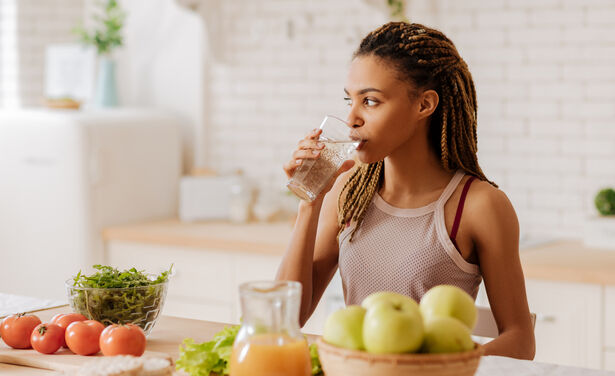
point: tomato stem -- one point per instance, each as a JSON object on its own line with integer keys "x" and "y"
{"x": 42, "y": 330}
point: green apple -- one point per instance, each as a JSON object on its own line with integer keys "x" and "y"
{"x": 450, "y": 301}
{"x": 446, "y": 335}
{"x": 344, "y": 328}
{"x": 393, "y": 326}
{"x": 389, "y": 296}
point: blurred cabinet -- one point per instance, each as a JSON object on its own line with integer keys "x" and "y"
{"x": 609, "y": 360}
{"x": 568, "y": 322}
{"x": 575, "y": 322}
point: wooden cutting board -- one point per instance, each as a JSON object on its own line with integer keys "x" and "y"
{"x": 63, "y": 360}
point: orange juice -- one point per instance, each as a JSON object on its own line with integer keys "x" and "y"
{"x": 271, "y": 355}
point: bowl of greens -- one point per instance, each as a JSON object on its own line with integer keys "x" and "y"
{"x": 112, "y": 296}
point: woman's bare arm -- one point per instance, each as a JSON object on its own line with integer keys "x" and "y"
{"x": 495, "y": 231}
{"x": 311, "y": 256}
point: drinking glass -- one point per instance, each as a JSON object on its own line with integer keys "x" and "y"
{"x": 313, "y": 174}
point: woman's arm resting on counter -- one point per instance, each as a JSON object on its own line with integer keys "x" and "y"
{"x": 495, "y": 231}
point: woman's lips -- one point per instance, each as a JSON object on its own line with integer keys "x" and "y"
{"x": 355, "y": 137}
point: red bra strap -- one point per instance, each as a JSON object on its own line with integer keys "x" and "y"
{"x": 462, "y": 200}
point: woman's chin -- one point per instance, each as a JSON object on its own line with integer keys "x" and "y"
{"x": 366, "y": 158}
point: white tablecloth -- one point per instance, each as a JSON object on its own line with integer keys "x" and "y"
{"x": 10, "y": 304}
{"x": 502, "y": 366}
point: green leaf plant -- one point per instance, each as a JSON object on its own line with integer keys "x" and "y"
{"x": 106, "y": 34}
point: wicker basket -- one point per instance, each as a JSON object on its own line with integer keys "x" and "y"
{"x": 337, "y": 361}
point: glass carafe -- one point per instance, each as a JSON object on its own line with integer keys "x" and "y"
{"x": 269, "y": 341}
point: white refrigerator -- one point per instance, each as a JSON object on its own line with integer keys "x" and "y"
{"x": 65, "y": 175}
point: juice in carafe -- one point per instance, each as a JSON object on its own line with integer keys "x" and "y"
{"x": 269, "y": 342}
{"x": 271, "y": 355}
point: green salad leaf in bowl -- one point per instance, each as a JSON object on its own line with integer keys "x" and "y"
{"x": 112, "y": 296}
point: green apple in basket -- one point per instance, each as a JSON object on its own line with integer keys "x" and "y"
{"x": 450, "y": 301}
{"x": 344, "y": 328}
{"x": 392, "y": 324}
{"x": 450, "y": 315}
{"x": 446, "y": 335}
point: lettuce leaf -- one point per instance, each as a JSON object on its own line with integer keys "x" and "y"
{"x": 316, "y": 367}
{"x": 200, "y": 359}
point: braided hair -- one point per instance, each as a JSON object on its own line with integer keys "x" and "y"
{"x": 427, "y": 59}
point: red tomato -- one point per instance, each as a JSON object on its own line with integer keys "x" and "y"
{"x": 16, "y": 330}
{"x": 82, "y": 336}
{"x": 47, "y": 338}
{"x": 63, "y": 320}
{"x": 126, "y": 339}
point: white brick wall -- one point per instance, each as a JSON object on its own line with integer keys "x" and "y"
{"x": 37, "y": 23}
{"x": 563, "y": 148}
{"x": 544, "y": 72}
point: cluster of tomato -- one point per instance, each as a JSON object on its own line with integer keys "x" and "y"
{"x": 74, "y": 331}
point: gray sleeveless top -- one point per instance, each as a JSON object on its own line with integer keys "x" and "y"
{"x": 407, "y": 251}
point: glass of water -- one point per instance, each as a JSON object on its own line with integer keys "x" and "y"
{"x": 313, "y": 174}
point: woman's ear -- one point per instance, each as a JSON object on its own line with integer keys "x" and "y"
{"x": 428, "y": 102}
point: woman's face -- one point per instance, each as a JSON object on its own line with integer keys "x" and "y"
{"x": 382, "y": 113}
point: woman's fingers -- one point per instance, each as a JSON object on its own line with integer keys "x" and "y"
{"x": 290, "y": 167}
{"x": 307, "y": 148}
{"x": 314, "y": 134}
{"x": 310, "y": 144}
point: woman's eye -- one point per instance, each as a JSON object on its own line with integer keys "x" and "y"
{"x": 348, "y": 101}
{"x": 370, "y": 102}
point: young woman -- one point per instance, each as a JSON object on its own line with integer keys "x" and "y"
{"x": 394, "y": 222}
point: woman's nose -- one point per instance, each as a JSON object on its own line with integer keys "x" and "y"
{"x": 354, "y": 121}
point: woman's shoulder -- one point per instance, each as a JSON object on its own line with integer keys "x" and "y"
{"x": 486, "y": 204}
{"x": 484, "y": 193}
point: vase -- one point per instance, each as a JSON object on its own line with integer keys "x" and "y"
{"x": 106, "y": 89}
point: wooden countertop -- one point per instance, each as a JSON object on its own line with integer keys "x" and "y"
{"x": 169, "y": 332}
{"x": 569, "y": 261}
{"x": 265, "y": 238}
{"x": 564, "y": 261}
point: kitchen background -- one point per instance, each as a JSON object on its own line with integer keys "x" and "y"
{"x": 245, "y": 79}
{"x": 252, "y": 77}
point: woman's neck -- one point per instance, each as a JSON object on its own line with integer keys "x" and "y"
{"x": 413, "y": 175}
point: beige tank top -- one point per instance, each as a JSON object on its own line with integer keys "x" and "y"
{"x": 407, "y": 251}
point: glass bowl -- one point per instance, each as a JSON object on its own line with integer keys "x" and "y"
{"x": 135, "y": 305}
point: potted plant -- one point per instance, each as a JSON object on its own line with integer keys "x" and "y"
{"x": 105, "y": 37}
{"x": 600, "y": 230}
{"x": 605, "y": 201}
{"x": 396, "y": 9}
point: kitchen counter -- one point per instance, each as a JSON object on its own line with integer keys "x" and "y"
{"x": 170, "y": 331}
{"x": 264, "y": 238}
{"x": 569, "y": 261}
{"x": 564, "y": 261}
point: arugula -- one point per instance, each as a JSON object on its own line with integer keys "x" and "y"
{"x": 112, "y": 296}
{"x": 201, "y": 359}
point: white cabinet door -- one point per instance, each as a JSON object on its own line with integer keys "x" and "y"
{"x": 251, "y": 267}
{"x": 568, "y": 322}
{"x": 609, "y": 317}
{"x": 220, "y": 312}
{"x": 609, "y": 360}
{"x": 202, "y": 286}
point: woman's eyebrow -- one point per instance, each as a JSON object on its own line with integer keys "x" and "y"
{"x": 363, "y": 91}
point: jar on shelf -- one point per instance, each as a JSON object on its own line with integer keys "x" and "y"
{"x": 241, "y": 200}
